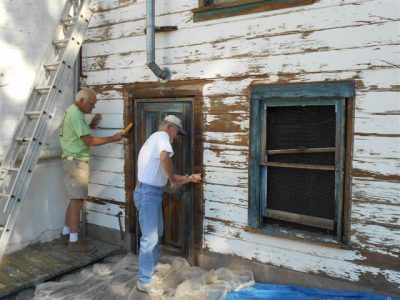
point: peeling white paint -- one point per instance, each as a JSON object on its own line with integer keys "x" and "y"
{"x": 224, "y": 176}
{"x": 224, "y": 137}
{"x": 292, "y": 260}
{"x": 301, "y": 246}
{"x": 217, "y": 193}
{"x": 330, "y": 40}
{"x": 223, "y": 158}
{"x": 369, "y": 190}
{"x": 106, "y": 192}
{"x": 384, "y": 240}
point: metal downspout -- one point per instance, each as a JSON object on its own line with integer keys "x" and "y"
{"x": 163, "y": 74}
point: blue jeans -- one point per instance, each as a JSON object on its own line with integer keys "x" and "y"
{"x": 148, "y": 202}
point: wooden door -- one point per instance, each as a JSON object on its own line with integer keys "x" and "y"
{"x": 178, "y": 204}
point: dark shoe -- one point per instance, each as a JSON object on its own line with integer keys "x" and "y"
{"x": 80, "y": 246}
{"x": 149, "y": 289}
{"x": 64, "y": 239}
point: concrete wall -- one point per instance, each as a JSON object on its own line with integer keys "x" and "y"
{"x": 27, "y": 30}
{"x": 43, "y": 211}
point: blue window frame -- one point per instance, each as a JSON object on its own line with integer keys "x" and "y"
{"x": 297, "y": 154}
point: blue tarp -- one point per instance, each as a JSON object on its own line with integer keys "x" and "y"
{"x": 288, "y": 292}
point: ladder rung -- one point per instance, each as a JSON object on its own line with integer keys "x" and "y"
{"x": 2, "y": 227}
{"x": 12, "y": 169}
{"x": 22, "y": 139}
{"x": 68, "y": 20}
{"x": 52, "y": 66}
{"x": 43, "y": 89}
{"x": 33, "y": 113}
{"x": 2, "y": 195}
{"x": 61, "y": 43}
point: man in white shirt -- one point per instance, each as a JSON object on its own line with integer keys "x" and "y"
{"x": 155, "y": 169}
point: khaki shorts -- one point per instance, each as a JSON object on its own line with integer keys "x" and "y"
{"x": 76, "y": 178}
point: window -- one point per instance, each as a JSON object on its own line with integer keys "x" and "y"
{"x": 298, "y": 157}
{"x": 214, "y": 9}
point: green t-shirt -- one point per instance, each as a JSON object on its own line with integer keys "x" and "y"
{"x": 72, "y": 128}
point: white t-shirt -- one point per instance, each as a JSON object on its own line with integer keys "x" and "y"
{"x": 150, "y": 170}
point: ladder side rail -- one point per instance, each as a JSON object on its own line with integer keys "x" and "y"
{"x": 8, "y": 159}
{"x": 34, "y": 148}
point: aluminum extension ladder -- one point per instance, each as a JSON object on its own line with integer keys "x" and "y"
{"x": 23, "y": 153}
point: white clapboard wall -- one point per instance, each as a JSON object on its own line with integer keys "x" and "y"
{"x": 328, "y": 40}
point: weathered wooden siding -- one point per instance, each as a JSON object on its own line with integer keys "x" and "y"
{"x": 107, "y": 178}
{"x": 329, "y": 40}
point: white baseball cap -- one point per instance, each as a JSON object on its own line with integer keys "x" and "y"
{"x": 176, "y": 121}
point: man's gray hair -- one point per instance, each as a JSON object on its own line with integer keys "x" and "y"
{"x": 85, "y": 94}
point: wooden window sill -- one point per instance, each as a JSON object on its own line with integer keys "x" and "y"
{"x": 299, "y": 235}
{"x": 243, "y": 7}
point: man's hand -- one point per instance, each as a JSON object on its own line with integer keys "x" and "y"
{"x": 195, "y": 178}
{"x": 177, "y": 181}
{"x": 118, "y": 136}
{"x": 95, "y": 121}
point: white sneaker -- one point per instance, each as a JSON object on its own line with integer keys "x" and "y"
{"x": 149, "y": 289}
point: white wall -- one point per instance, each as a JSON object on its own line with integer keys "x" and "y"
{"x": 43, "y": 211}
{"x": 27, "y": 30}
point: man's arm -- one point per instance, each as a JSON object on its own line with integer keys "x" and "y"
{"x": 175, "y": 180}
{"x": 166, "y": 164}
{"x": 90, "y": 140}
{"x": 195, "y": 178}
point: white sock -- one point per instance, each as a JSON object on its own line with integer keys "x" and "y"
{"x": 65, "y": 230}
{"x": 73, "y": 237}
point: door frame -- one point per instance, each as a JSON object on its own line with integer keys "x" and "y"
{"x": 186, "y": 199}
{"x": 168, "y": 92}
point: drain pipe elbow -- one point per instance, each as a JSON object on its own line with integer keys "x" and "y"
{"x": 163, "y": 74}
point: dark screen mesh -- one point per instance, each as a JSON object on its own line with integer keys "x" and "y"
{"x": 301, "y": 191}
{"x": 292, "y": 127}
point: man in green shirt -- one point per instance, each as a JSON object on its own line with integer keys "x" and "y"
{"x": 76, "y": 140}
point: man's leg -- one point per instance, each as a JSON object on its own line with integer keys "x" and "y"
{"x": 156, "y": 250}
{"x": 66, "y": 229}
{"x": 64, "y": 235}
{"x": 148, "y": 220}
{"x": 73, "y": 216}
{"x": 76, "y": 175}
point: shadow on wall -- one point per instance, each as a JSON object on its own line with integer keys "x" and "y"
{"x": 42, "y": 213}
{"x": 28, "y": 27}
